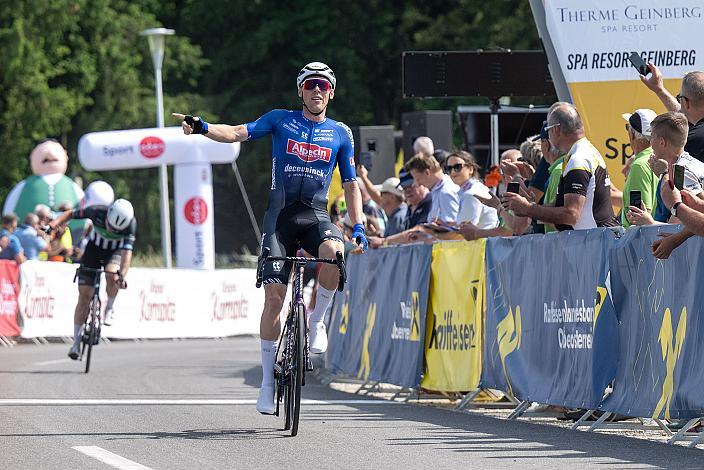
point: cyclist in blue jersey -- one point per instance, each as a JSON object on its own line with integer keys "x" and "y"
{"x": 307, "y": 146}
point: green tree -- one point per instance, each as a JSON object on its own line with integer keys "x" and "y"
{"x": 68, "y": 67}
{"x": 255, "y": 49}
{"x": 71, "y": 67}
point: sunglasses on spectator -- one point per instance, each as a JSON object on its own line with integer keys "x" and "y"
{"x": 679, "y": 98}
{"x": 455, "y": 168}
{"x": 547, "y": 128}
{"x": 321, "y": 83}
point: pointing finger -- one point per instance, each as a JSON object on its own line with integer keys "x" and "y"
{"x": 178, "y": 116}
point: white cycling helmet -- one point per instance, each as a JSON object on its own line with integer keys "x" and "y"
{"x": 120, "y": 214}
{"x": 316, "y": 69}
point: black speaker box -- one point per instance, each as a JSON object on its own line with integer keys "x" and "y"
{"x": 434, "y": 124}
{"x": 374, "y": 148}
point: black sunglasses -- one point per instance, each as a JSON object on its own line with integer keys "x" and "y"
{"x": 455, "y": 168}
{"x": 680, "y": 98}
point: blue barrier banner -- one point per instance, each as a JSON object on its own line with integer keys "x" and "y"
{"x": 377, "y": 330}
{"x": 550, "y": 332}
{"x": 659, "y": 305}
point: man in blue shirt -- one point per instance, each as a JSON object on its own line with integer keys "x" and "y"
{"x": 31, "y": 242}
{"x": 11, "y": 246}
{"x": 306, "y": 148}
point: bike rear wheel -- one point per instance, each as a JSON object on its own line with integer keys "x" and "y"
{"x": 299, "y": 362}
{"x": 92, "y": 332}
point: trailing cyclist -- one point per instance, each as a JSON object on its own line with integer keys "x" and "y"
{"x": 307, "y": 146}
{"x": 110, "y": 244}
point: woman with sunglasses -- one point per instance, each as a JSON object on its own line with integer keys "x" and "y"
{"x": 307, "y": 145}
{"x": 464, "y": 171}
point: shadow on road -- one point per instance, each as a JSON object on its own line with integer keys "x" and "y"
{"x": 189, "y": 434}
{"x": 461, "y": 432}
{"x": 43, "y": 372}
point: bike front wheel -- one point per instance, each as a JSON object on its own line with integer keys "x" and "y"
{"x": 299, "y": 363}
{"x": 92, "y": 332}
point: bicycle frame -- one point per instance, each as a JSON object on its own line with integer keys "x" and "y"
{"x": 93, "y": 322}
{"x": 290, "y": 370}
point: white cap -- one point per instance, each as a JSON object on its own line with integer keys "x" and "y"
{"x": 347, "y": 221}
{"x": 640, "y": 120}
{"x": 391, "y": 185}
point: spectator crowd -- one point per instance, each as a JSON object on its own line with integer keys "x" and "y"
{"x": 30, "y": 241}
{"x": 557, "y": 180}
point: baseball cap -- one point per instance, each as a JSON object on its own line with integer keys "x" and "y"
{"x": 405, "y": 179}
{"x": 543, "y": 133}
{"x": 391, "y": 185}
{"x": 640, "y": 120}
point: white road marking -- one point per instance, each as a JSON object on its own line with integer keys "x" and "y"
{"x": 109, "y": 458}
{"x": 184, "y": 402}
{"x": 48, "y": 363}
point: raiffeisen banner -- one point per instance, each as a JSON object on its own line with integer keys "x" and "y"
{"x": 591, "y": 41}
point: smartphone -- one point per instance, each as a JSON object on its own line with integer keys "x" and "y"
{"x": 636, "y": 199}
{"x": 513, "y": 187}
{"x": 440, "y": 228}
{"x": 639, "y": 63}
{"x": 365, "y": 158}
{"x": 679, "y": 176}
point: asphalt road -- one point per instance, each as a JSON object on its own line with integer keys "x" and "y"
{"x": 190, "y": 405}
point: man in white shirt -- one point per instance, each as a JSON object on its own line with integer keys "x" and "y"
{"x": 426, "y": 171}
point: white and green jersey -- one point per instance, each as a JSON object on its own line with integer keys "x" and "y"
{"x": 100, "y": 235}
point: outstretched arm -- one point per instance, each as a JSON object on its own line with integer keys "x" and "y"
{"x": 224, "y": 133}
{"x": 61, "y": 219}
{"x": 655, "y": 84}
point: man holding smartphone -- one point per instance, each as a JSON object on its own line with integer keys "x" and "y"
{"x": 584, "y": 190}
{"x": 640, "y": 180}
{"x": 668, "y": 137}
{"x": 689, "y": 101}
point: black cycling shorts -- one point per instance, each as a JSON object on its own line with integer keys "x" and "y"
{"x": 95, "y": 257}
{"x": 295, "y": 226}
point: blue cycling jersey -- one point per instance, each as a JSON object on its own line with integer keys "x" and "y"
{"x": 304, "y": 155}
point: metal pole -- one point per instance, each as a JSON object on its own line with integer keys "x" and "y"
{"x": 252, "y": 219}
{"x": 163, "y": 177}
{"x": 494, "y": 128}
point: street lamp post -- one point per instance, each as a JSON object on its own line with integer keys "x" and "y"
{"x": 156, "y": 47}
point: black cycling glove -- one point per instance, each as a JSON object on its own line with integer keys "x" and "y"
{"x": 198, "y": 125}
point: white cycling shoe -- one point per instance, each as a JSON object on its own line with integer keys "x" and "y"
{"x": 318, "y": 338}
{"x": 74, "y": 351}
{"x": 265, "y": 402}
{"x": 109, "y": 316}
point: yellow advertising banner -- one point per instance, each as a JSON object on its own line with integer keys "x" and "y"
{"x": 592, "y": 41}
{"x": 601, "y": 105}
{"x": 453, "y": 338}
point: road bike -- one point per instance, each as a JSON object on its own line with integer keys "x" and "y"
{"x": 91, "y": 329}
{"x": 293, "y": 357}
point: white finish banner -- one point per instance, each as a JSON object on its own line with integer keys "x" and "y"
{"x": 593, "y": 38}
{"x": 47, "y": 298}
{"x": 158, "y": 303}
{"x": 195, "y": 226}
{"x": 144, "y": 148}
